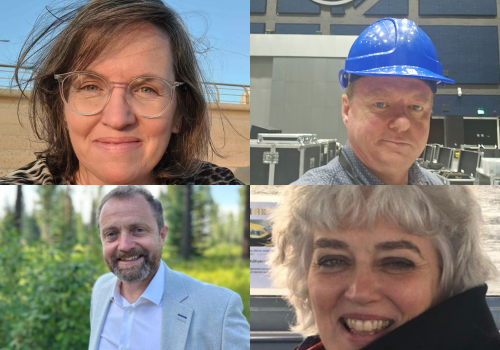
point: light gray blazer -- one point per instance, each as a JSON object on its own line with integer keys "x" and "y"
{"x": 196, "y": 315}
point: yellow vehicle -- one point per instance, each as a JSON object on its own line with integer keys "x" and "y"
{"x": 259, "y": 235}
{"x": 257, "y": 231}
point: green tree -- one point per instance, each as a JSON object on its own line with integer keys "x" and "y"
{"x": 186, "y": 223}
{"x": 46, "y": 201}
{"x": 30, "y": 229}
{"x": 55, "y": 215}
{"x": 203, "y": 212}
{"x": 173, "y": 209}
{"x": 19, "y": 208}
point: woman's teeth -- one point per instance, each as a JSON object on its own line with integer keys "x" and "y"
{"x": 370, "y": 327}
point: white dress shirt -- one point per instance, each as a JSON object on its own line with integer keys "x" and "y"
{"x": 135, "y": 326}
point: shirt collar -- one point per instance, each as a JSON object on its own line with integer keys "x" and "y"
{"x": 415, "y": 176}
{"x": 153, "y": 293}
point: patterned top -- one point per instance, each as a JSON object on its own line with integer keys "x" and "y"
{"x": 334, "y": 174}
{"x": 38, "y": 173}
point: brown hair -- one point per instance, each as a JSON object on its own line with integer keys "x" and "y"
{"x": 71, "y": 42}
{"x": 128, "y": 192}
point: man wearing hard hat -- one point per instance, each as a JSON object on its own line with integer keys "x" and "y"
{"x": 390, "y": 77}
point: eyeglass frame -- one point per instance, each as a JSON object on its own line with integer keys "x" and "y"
{"x": 62, "y": 77}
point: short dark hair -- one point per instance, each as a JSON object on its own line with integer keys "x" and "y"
{"x": 130, "y": 191}
{"x": 78, "y": 35}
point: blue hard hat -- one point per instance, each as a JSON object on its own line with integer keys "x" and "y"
{"x": 394, "y": 47}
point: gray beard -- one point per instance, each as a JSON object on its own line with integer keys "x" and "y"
{"x": 134, "y": 274}
{"x": 130, "y": 274}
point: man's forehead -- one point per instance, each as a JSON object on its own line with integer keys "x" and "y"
{"x": 382, "y": 86}
{"x": 135, "y": 205}
{"x": 126, "y": 222}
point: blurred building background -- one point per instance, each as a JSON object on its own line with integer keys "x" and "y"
{"x": 297, "y": 48}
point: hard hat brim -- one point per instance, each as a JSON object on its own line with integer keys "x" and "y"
{"x": 396, "y": 71}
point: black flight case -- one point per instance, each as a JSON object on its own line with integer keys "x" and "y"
{"x": 280, "y": 159}
{"x": 329, "y": 150}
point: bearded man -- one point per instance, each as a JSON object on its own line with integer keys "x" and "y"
{"x": 142, "y": 303}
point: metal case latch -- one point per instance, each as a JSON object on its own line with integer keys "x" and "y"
{"x": 271, "y": 157}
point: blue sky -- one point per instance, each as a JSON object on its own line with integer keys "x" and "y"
{"x": 227, "y": 23}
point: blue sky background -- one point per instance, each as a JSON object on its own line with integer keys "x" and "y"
{"x": 226, "y": 22}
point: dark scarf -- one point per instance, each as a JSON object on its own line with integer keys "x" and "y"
{"x": 463, "y": 322}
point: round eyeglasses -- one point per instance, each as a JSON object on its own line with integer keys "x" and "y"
{"x": 88, "y": 93}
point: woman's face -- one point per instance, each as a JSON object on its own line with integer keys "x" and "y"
{"x": 116, "y": 146}
{"x": 365, "y": 283}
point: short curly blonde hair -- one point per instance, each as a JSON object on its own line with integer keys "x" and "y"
{"x": 449, "y": 215}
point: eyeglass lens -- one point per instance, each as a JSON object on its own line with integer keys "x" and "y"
{"x": 88, "y": 94}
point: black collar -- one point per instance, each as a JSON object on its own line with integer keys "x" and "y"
{"x": 461, "y": 322}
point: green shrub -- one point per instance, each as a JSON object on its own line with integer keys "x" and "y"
{"x": 47, "y": 305}
{"x": 45, "y": 291}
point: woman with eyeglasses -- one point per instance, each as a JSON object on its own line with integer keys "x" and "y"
{"x": 117, "y": 98}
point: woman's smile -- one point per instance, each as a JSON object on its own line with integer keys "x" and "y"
{"x": 360, "y": 330}
{"x": 364, "y": 283}
{"x": 117, "y": 144}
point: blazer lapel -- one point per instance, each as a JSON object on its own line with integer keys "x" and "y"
{"x": 176, "y": 317}
{"x": 101, "y": 310}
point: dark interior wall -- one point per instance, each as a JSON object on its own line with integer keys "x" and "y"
{"x": 258, "y": 6}
{"x": 466, "y": 105}
{"x": 469, "y": 54}
{"x": 457, "y": 8}
{"x": 436, "y": 132}
{"x": 389, "y": 8}
{"x": 480, "y": 132}
{"x": 463, "y": 130}
{"x": 347, "y": 29}
{"x": 257, "y": 28}
{"x": 297, "y": 7}
{"x": 298, "y": 28}
{"x": 453, "y": 131}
